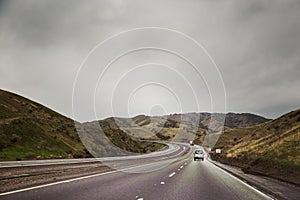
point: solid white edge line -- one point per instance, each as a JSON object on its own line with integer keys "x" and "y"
{"x": 246, "y": 184}
{"x": 55, "y": 183}
{"x": 69, "y": 180}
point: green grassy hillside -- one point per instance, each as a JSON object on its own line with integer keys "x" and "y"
{"x": 271, "y": 148}
{"x": 29, "y": 130}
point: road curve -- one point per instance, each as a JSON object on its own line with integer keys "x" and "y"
{"x": 181, "y": 178}
{"x": 169, "y": 151}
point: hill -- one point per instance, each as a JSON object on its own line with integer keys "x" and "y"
{"x": 29, "y": 130}
{"x": 271, "y": 148}
{"x": 104, "y": 138}
{"x": 185, "y": 127}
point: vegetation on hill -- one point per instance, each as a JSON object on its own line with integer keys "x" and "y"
{"x": 29, "y": 130}
{"x": 191, "y": 126}
{"x": 229, "y": 120}
{"x": 238, "y": 120}
{"x": 105, "y": 138}
{"x": 252, "y": 142}
{"x": 271, "y": 148}
{"x": 141, "y": 120}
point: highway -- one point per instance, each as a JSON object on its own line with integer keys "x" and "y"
{"x": 171, "y": 174}
{"x": 171, "y": 150}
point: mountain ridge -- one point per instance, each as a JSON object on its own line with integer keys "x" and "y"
{"x": 194, "y": 125}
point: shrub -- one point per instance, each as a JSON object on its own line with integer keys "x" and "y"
{"x": 30, "y": 155}
{"x": 15, "y": 138}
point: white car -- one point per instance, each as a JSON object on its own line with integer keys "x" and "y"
{"x": 199, "y": 154}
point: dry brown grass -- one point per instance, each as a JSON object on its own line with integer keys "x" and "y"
{"x": 272, "y": 148}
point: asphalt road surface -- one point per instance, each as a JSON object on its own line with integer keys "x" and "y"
{"x": 176, "y": 176}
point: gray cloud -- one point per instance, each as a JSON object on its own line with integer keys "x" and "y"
{"x": 256, "y": 45}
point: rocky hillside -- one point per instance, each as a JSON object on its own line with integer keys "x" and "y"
{"x": 271, "y": 148}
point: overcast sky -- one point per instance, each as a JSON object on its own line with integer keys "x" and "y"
{"x": 252, "y": 47}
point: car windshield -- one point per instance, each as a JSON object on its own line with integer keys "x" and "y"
{"x": 198, "y": 152}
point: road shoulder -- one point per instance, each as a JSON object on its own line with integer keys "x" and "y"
{"x": 275, "y": 188}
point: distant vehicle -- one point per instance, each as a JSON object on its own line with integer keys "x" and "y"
{"x": 191, "y": 143}
{"x": 199, "y": 154}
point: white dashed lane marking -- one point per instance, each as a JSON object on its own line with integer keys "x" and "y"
{"x": 172, "y": 174}
{"x": 139, "y": 198}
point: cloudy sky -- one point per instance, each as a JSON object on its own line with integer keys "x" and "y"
{"x": 106, "y": 58}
